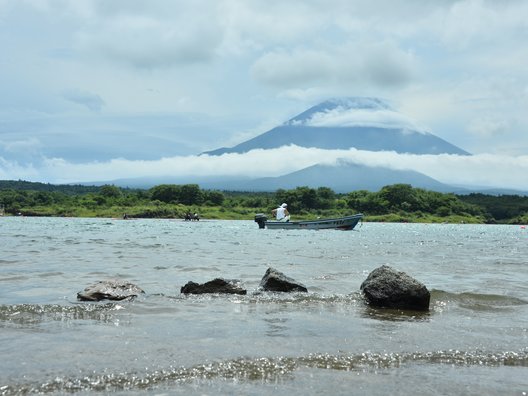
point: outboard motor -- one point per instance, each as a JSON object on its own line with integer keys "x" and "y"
{"x": 260, "y": 219}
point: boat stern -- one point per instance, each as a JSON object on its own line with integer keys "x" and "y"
{"x": 260, "y": 219}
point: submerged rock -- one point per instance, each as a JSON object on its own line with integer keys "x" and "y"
{"x": 113, "y": 289}
{"x": 385, "y": 287}
{"x": 217, "y": 285}
{"x": 274, "y": 280}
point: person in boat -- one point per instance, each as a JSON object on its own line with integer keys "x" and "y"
{"x": 281, "y": 213}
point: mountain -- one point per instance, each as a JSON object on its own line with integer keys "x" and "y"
{"x": 368, "y": 124}
{"x": 363, "y": 123}
{"x": 343, "y": 177}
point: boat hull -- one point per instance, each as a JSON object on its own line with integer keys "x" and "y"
{"x": 346, "y": 223}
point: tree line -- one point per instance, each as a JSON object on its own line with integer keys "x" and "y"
{"x": 397, "y": 202}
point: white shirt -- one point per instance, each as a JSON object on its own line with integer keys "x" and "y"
{"x": 280, "y": 213}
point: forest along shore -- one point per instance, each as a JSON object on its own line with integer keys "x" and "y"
{"x": 394, "y": 203}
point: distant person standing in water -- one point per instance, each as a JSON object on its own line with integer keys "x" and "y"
{"x": 281, "y": 213}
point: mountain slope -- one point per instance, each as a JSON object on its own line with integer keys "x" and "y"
{"x": 340, "y": 124}
{"x": 343, "y": 138}
{"x": 363, "y": 123}
{"x": 344, "y": 177}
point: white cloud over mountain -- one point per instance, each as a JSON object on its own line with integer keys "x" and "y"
{"x": 477, "y": 170}
{"x": 343, "y": 117}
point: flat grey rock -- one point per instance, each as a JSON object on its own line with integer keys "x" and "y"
{"x": 113, "y": 289}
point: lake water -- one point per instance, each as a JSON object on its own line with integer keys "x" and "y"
{"x": 473, "y": 341}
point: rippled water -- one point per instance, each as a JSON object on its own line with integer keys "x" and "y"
{"x": 474, "y": 340}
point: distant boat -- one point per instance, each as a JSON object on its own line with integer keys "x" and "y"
{"x": 340, "y": 223}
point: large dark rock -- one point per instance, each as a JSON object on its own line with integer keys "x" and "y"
{"x": 388, "y": 288}
{"x": 217, "y": 285}
{"x": 113, "y": 289}
{"x": 274, "y": 280}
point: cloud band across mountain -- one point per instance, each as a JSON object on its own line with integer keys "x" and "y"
{"x": 477, "y": 170}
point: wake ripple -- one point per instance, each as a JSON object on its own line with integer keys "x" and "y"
{"x": 266, "y": 369}
{"x": 31, "y": 314}
{"x": 476, "y": 301}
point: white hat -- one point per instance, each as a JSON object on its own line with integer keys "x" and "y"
{"x": 284, "y": 205}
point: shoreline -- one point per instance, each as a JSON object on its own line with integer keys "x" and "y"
{"x": 366, "y": 219}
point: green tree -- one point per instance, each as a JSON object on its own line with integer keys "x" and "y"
{"x": 168, "y": 193}
{"x": 190, "y": 194}
{"x": 110, "y": 191}
{"x": 367, "y": 202}
{"x": 325, "y": 198}
{"x": 399, "y": 196}
{"x": 214, "y": 197}
{"x": 307, "y": 197}
{"x": 43, "y": 198}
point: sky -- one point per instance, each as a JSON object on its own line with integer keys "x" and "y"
{"x": 94, "y": 90}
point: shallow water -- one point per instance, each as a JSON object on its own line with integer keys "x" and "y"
{"x": 474, "y": 340}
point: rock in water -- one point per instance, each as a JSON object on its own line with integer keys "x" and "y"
{"x": 113, "y": 289}
{"x": 217, "y": 285}
{"x": 388, "y": 288}
{"x": 274, "y": 280}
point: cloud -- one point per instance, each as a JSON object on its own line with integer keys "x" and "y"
{"x": 457, "y": 66}
{"x": 489, "y": 127}
{"x": 91, "y": 101}
{"x": 254, "y": 25}
{"x": 23, "y": 146}
{"x": 381, "y": 118}
{"x": 479, "y": 22}
{"x": 477, "y": 170}
{"x": 292, "y": 69}
{"x": 382, "y": 64}
{"x": 148, "y": 42}
{"x": 23, "y": 150}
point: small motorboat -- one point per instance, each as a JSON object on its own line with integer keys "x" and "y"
{"x": 340, "y": 223}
